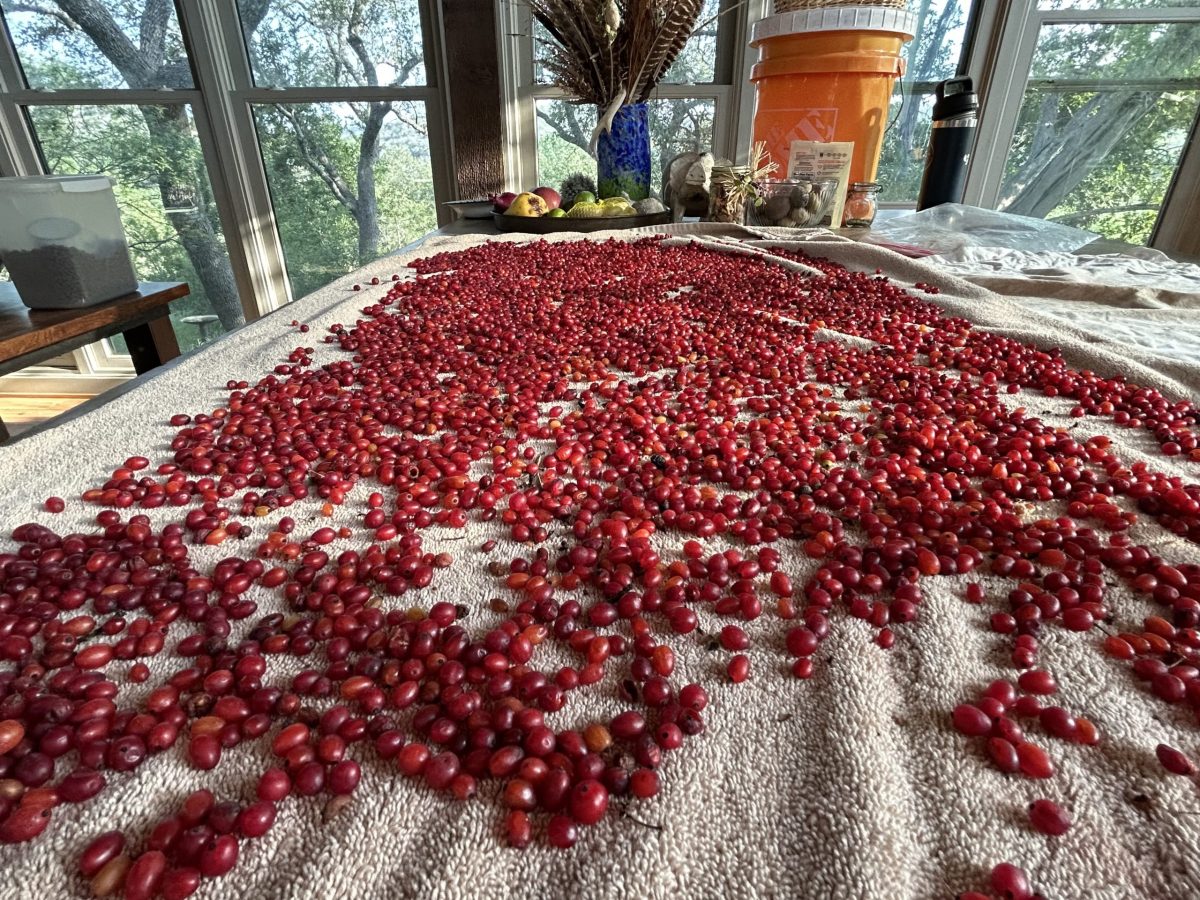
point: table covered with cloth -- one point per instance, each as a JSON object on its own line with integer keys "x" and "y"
{"x": 965, "y": 578}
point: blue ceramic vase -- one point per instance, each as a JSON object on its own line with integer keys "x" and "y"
{"x": 624, "y": 154}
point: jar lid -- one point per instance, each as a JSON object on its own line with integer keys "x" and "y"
{"x": 836, "y": 18}
{"x": 864, "y": 186}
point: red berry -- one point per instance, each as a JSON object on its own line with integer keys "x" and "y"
{"x": 1048, "y": 817}
{"x": 589, "y": 801}
{"x": 1174, "y": 761}
{"x": 1011, "y": 883}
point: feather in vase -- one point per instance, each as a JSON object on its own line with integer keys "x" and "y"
{"x": 612, "y": 52}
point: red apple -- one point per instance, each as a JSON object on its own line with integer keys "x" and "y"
{"x": 550, "y": 195}
{"x": 501, "y": 202}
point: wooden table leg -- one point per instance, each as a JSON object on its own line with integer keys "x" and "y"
{"x": 152, "y": 344}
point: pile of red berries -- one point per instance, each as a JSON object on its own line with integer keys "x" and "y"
{"x": 649, "y": 424}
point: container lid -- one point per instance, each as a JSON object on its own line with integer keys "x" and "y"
{"x": 955, "y": 97}
{"x": 836, "y": 18}
{"x": 45, "y": 183}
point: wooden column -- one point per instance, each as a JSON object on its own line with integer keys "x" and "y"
{"x": 473, "y": 75}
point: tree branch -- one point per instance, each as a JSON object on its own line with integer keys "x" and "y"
{"x": 41, "y": 10}
{"x": 359, "y": 46}
{"x": 98, "y": 24}
{"x": 319, "y": 162}
{"x": 155, "y": 16}
{"x": 572, "y": 133}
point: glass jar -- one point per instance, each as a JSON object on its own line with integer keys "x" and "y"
{"x": 726, "y": 204}
{"x": 861, "y": 203}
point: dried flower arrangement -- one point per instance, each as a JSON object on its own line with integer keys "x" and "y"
{"x": 613, "y": 52}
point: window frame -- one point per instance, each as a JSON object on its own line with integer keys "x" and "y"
{"x": 732, "y": 98}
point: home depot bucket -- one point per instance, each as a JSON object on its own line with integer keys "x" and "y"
{"x": 827, "y": 75}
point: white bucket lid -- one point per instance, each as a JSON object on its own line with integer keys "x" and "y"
{"x": 45, "y": 183}
{"x": 835, "y": 18}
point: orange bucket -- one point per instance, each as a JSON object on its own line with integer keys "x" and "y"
{"x": 827, "y": 75}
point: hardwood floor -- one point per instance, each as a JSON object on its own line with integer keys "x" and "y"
{"x": 20, "y": 412}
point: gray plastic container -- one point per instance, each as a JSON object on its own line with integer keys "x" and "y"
{"x": 62, "y": 242}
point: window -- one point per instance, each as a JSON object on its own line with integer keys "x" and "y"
{"x": 347, "y": 124}
{"x": 97, "y": 107}
{"x": 1105, "y": 117}
{"x": 303, "y": 43}
{"x": 1092, "y": 121}
{"x": 260, "y": 148}
{"x": 696, "y": 107}
{"x": 142, "y": 46}
{"x": 933, "y": 55}
{"x": 336, "y": 208}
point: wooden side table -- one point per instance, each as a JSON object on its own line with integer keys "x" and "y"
{"x": 29, "y": 336}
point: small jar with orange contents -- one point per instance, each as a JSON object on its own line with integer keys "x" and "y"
{"x": 861, "y": 202}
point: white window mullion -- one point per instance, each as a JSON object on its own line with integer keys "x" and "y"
{"x": 225, "y": 125}
{"x": 18, "y": 150}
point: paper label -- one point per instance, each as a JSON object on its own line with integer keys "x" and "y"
{"x": 826, "y": 160}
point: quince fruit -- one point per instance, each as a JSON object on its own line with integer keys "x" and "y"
{"x": 528, "y": 205}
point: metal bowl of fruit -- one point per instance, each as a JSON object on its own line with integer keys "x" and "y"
{"x": 797, "y": 203}
{"x": 536, "y": 214}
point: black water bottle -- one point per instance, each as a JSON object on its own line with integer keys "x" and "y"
{"x": 955, "y": 114}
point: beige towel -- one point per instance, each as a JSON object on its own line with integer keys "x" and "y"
{"x": 850, "y": 785}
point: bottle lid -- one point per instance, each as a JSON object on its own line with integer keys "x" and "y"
{"x": 955, "y": 97}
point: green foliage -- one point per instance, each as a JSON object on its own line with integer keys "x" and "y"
{"x": 1117, "y": 194}
{"x": 296, "y": 42}
{"x": 115, "y": 141}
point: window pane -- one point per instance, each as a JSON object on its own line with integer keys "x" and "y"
{"x": 932, "y": 56}
{"x": 564, "y": 130}
{"x": 340, "y": 204}
{"x": 166, "y": 201}
{"x": 1136, "y": 51}
{"x": 676, "y": 126}
{"x": 905, "y": 143}
{"x": 695, "y": 64}
{"x": 1097, "y": 146}
{"x": 697, "y": 61}
{"x": 328, "y": 43}
{"x": 140, "y": 47}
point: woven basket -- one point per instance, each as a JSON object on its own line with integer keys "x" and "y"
{"x": 782, "y": 6}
